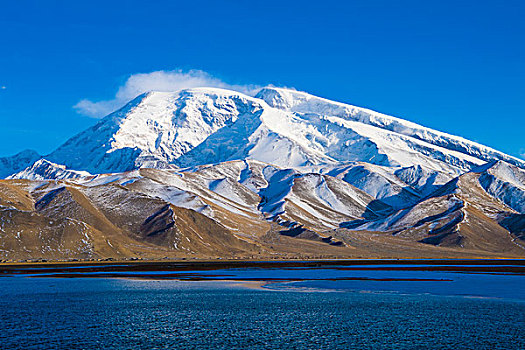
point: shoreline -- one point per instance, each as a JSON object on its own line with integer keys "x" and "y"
{"x": 282, "y": 262}
{"x": 189, "y": 270}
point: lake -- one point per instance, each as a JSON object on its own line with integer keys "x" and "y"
{"x": 381, "y": 306}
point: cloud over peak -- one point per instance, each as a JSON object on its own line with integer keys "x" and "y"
{"x": 161, "y": 80}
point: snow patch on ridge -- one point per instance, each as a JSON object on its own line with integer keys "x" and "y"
{"x": 46, "y": 170}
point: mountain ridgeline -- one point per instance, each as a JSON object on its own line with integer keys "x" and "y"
{"x": 212, "y": 173}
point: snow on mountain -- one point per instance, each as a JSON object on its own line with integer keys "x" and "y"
{"x": 153, "y": 130}
{"x": 304, "y": 103}
{"x": 283, "y": 155}
{"x": 504, "y": 182}
{"x": 46, "y": 170}
{"x": 423, "y": 180}
{"x": 18, "y": 162}
{"x": 289, "y": 139}
{"x": 286, "y": 196}
{"x": 397, "y": 187}
{"x": 215, "y": 172}
{"x": 461, "y": 213}
{"x": 286, "y": 128}
{"x": 470, "y": 203}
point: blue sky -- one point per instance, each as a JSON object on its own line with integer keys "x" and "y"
{"x": 456, "y": 66}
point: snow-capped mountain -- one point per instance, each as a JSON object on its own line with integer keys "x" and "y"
{"x": 302, "y": 103}
{"x": 216, "y": 172}
{"x": 18, "y": 162}
{"x": 281, "y": 127}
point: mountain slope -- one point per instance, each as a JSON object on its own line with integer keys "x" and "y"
{"x": 212, "y": 173}
{"x": 469, "y": 211}
{"x": 246, "y": 209}
{"x": 303, "y": 103}
{"x": 153, "y": 130}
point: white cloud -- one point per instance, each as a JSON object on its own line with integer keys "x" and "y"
{"x": 156, "y": 81}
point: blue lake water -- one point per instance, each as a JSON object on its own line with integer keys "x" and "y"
{"x": 331, "y": 308}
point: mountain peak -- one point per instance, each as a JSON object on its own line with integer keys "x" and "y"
{"x": 12, "y": 164}
{"x": 277, "y": 97}
{"x": 155, "y": 128}
{"x": 282, "y": 126}
{"x": 43, "y": 169}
